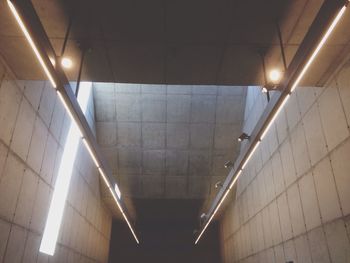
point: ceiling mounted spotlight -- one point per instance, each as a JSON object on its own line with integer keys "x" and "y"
{"x": 243, "y": 137}
{"x": 275, "y": 75}
{"x": 203, "y": 218}
{"x": 66, "y": 62}
{"x": 218, "y": 185}
{"x": 228, "y": 164}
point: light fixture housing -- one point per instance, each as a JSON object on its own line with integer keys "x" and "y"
{"x": 218, "y": 185}
{"x": 228, "y": 164}
{"x": 243, "y": 137}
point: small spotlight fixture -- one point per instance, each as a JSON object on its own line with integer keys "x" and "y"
{"x": 243, "y": 137}
{"x": 203, "y": 218}
{"x": 66, "y": 62}
{"x": 228, "y": 164}
{"x": 218, "y": 185}
{"x": 275, "y": 76}
{"x": 264, "y": 90}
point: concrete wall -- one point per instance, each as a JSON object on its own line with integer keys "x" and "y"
{"x": 33, "y": 128}
{"x": 293, "y": 199}
{"x": 168, "y": 141}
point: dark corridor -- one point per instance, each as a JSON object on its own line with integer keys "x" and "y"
{"x": 167, "y": 235}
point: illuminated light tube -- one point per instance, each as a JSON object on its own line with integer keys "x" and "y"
{"x": 31, "y": 42}
{"x": 274, "y": 116}
{"x": 213, "y": 214}
{"x": 91, "y": 153}
{"x": 236, "y": 178}
{"x": 131, "y": 229}
{"x": 295, "y": 84}
{"x": 116, "y": 200}
{"x": 318, "y": 48}
{"x": 103, "y": 175}
{"x": 125, "y": 217}
{"x": 250, "y": 154}
{"x": 69, "y": 112}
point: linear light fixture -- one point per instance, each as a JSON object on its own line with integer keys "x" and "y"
{"x": 319, "y": 46}
{"x": 272, "y": 120}
{"x": 218, "y": 206}
{"x": 31, "y": 42}
{"x": 104, "y": 177}
{"x": 102, "y": 174}
{"x": 278, "y": 109}
{"x": 236, "y": 178}
{"x": 50, "y": 72}
{"x": 250, "y": 154}
{"x": 91, "y": 153}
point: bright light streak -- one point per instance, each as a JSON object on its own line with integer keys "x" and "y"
{"x": 104, "y": 177}
{"x": 31, "y": 42}
{"x": 218, "y": 206}
{"x": 235, "y": 179}
{"x": 131, "y": 229}
{"x": 212, "y": 215}
{"x": 295, "y": 84}
{"x": 318, "y": 48}
{"x": 69, "y": 111}
{"x": 56, "y": 210}
{"x": 250, "y": 154}
{"x": 124, "y": 215}
{"x": 91, "y": 153}
{"x": 274, "y": 116}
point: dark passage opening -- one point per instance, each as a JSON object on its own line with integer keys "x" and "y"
{"x": 166, "y": 228}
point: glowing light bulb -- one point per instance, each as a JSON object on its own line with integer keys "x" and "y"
{"x": 275, "y": 76}
{"x": 66, "y": 63}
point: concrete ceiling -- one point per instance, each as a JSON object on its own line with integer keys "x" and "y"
{"x": 172, "y": 42}
{"x": 168, "y": 141}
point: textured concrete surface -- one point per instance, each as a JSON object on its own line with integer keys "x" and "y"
{"x": 168, "y": 141}
{"x": 292, "y": 201}
{"x": 181, "y": 42}
{"x": 33, "y": 130}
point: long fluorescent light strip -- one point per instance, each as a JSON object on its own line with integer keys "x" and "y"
{"x": 250, "y": 154}
{"x": 319, "y": 46}
{"x": 218, "y": 206}
{"x": 69, "y": 112}
{"x": 236, "y": 178}
{"x": 31, "y": 42}
{"x": 104, "y": 177}
{"x": 46, "y": 70}
{"x": 91, "y": 153}
{"x": 280, "y": 107}
{"x": 125, "y": 217}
